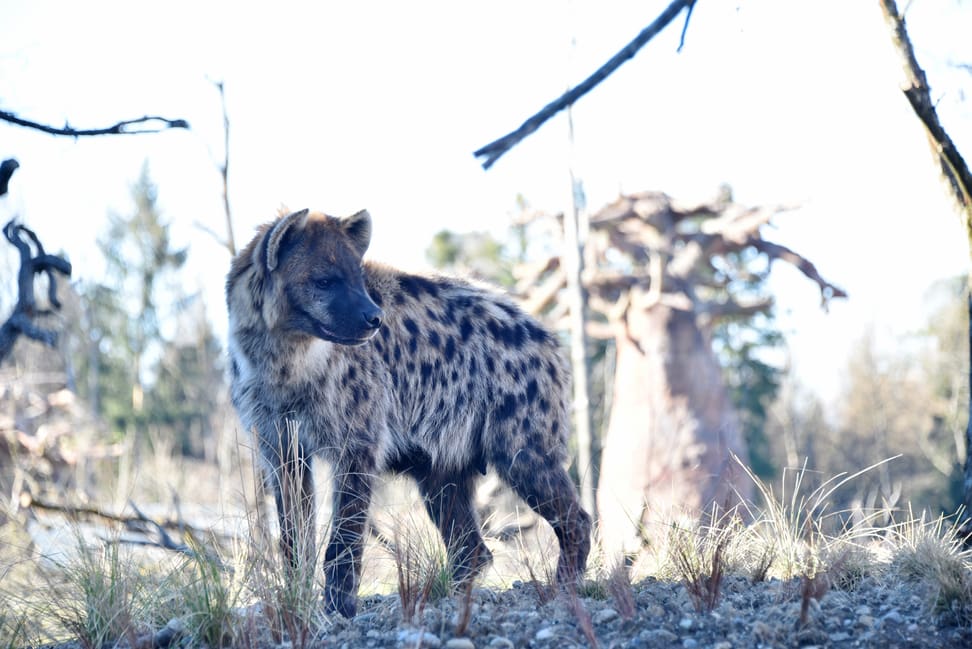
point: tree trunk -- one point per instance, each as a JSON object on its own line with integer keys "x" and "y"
{"x": 666, "y": 453}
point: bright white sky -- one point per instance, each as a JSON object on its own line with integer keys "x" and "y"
{"x": 344, "y": 105}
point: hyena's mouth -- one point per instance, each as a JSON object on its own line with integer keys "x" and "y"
{"x": 331, "y": 337}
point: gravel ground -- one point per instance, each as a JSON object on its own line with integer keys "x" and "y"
{"x": 747, "y": 615}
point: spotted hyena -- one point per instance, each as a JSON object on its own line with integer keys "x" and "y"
{"x": 380, "y": 370}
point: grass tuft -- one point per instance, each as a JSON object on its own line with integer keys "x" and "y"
{"x": 421, "y": 566}
{"x": 933, "y": 552}
{"x": 102, "y": 598}
{"x": 620, "y": 589}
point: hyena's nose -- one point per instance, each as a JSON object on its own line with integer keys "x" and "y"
{"x": 373, "y": 317}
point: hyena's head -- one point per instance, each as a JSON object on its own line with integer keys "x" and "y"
{"x": 312, "y": 276}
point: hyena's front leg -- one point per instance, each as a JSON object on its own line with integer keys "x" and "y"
{"x": 292, "y": 481}
{"x": 342, "y": 560}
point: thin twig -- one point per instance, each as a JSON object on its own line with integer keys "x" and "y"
{"x": 688, "y": 17}
{"x": 224, "y": 171}
{"x": 120, "y": 128}
{"x": 495, "y": 150}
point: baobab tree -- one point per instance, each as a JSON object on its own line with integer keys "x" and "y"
{"x": 660, "y": 276}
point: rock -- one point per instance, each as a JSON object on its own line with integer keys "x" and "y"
{"x": 690, "y": 643}
{"x": 546, "y": 633}
{"x": 762, "y": 631}
{"x": 460, "y": 643}
{"x": 413, "y": 638}
{"x": 658, "y": 636}
{"x": 499, "y": 642}
{"x": 722, "y": 645}
{"x": 685, "y": 623}
{"x": 893, "y": 616}
{"x": 604, "y": 615}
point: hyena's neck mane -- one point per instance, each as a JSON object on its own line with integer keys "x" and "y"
{"x": 253, "y": 344}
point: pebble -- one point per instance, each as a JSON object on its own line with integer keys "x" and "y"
{"x": 690, "y": 643}
{"x": 460, "y": 643}
{"x": 499, "y": 642}
{"x": 762, "y": 631}
{"x": 658, "y": 636}
{"x": 893, "y": 616}
{"x": 604, "y": 615}
{"x": 722, "y": 645}
{"x": 685, "y": 623}
{"x": 412, "y": 638}
{"x": 545, "y": 633}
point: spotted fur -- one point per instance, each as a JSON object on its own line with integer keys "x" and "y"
{"x": 381, "y": 370}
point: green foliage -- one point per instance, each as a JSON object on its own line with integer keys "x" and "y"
{"x": 477, "y": 254}
{"x": 752, "y": 381}
{"x": 148, "y": 360}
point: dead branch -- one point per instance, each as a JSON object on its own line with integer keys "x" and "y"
{"x": 123, "y": 127}
{"x": 916, "y": 90}
{"x": 134, "y": 523}
{"x": 956, "y": 172}
{"x": 777, "y": 251}
{"x": 546, "y": 292}
{"x": 7, "y": 167}
{"x": 156, "y": 531}
{"x": 224, "y": 172}
{"x": 32, "y": 262}
{"x": 495, "y": 150}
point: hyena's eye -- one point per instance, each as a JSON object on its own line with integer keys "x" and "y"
{"x": 325, "y": 282}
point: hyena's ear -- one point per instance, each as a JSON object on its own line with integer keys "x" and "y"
{"x": 276, "y": 234}
{"x": 358, "y": 228}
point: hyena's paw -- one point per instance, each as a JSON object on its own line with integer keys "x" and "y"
{"x": 340, "y": 602}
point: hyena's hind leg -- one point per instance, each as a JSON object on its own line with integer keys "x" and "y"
{"x": 546, "y": 487}
{"x": 448, "y": 501}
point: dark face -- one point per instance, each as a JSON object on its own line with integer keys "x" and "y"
{"x": 325, "y": 286}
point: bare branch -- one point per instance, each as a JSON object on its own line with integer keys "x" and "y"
{"x": 7, "y": 167}
{"x": 546, "y": 292}
{"x": 123, "y": 127}
{"x": 20, "y": 320}
{"x": 777, "y": 251}
{"x": 916, "y": 90}
{"x": 230, "y": 241}
{"x": 495, "y": 150}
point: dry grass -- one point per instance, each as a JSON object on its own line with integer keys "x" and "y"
{"x": 247, "y": 596}
{"x": 699, "y": 559}
{"x": 932, "y": 552}
{"x": 421, "y": 566}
